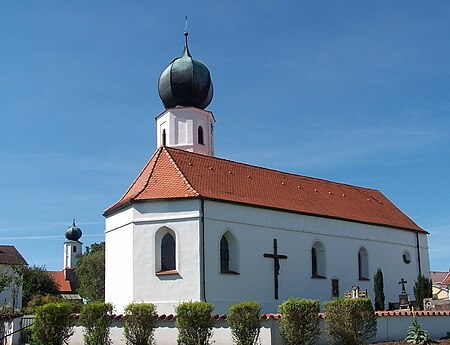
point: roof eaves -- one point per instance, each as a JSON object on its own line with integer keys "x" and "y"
{"x": 419, "y": 229}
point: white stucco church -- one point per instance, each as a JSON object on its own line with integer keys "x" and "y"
{"x": 196, "y": 227}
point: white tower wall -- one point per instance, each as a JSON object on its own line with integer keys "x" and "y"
{"x": 71, "y": 250}
{"x": 181, "y": 127}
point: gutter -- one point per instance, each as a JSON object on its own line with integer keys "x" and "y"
{"x": 202, "y": 254}
{"x": 418, "y": 253}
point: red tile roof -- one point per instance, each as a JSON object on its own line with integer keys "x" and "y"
{"x": 64, "y": 285}
{"x": 172, "y": 173}
{"x": 9, "y": 255}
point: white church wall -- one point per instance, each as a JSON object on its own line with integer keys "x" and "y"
{"x": 166, "y": 291}
{"x": 119, "y": 259}
{"x": 256, "y": 228}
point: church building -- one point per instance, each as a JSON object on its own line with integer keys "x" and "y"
{"x": 196, "y": 227}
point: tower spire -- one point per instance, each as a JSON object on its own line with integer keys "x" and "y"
{"x": 186, "y": 34}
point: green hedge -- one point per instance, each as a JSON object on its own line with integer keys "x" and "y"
{"x": 299, "y": 323}
{"x": 53, "y": 324}
{"x": 194, "y": 323}
{"x": 96, "y": 319}
{"x": 139, "y": 323}
{"x": 244, "y": 322}
{"x": 350, "y": 321}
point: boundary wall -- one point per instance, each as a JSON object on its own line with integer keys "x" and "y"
{"x": 392, "y": 326}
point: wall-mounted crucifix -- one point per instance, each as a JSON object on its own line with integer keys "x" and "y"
{"x": 276, "y": 264}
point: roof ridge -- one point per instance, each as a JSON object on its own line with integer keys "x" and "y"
{"x": 322, "y": 180}
{"x": 158, "y": 154}
{"x": 182, "y": 175}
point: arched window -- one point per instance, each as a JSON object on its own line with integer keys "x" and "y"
{"x": 228, "y": 254}
{"x": 363, "y": 264}
{"x": 164, "y": 137}
{"x": 200, "y": 135}
{"x": 168, "y": 252}
{"x": 224, "y": 255}
{"x": 318, "y": 260}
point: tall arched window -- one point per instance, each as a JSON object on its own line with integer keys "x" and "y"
{"x": 164, "y": 137}
{"x": 229, "y": 254}
{"x": 318, "y": 260}
{"x": 168, "y": 253}
{"x": 200, "y": 135}
{"x": 224, "y": 255}
{"x": 363, "y": 264}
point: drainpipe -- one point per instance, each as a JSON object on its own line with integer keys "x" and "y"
{"x": 418, "y": 253}
{"x": 202, "y": 244}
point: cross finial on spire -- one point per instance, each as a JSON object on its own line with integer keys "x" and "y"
{"x": 186, "y": 49}
{"x": 73, "y": 222}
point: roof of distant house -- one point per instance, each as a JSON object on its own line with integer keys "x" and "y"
{"x": 172, "y": 173}
{"x": 64, "y": 286}
{"x": 9, "y": 255}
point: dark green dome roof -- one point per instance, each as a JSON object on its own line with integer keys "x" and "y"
{"x": 185, "y": 82}
{"x": 73, "y": 233}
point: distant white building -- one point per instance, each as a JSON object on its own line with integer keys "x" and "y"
{"x": 10, "y": 260}
{"x": 196, "y": 227}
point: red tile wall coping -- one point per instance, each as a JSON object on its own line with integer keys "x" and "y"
{"x": 171, "y": 317}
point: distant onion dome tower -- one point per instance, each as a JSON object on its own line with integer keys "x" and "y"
{"x": 72, "y": 247}
{"x": 186, "y": 89}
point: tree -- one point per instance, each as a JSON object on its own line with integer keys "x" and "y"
{"x": 37, "y": 281}
{"x": 91, "y": 272}
{"x": 423, "y": 288}
{"x": 378, "y": 288}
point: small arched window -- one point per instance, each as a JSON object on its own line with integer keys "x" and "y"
{"x": 363, "y": 264}
{"x": 228, "y": 254}
{"x": 164, "y": 137}
{"x": 168, "y": 253}
{"x": 200, "y": 135}
{"x": 318, "y": 260}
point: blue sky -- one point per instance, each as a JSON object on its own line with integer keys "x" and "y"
{"x": 354, "y": 92}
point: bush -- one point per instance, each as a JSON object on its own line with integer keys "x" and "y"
{"x": 38, "y": 301}
{"x": 299, "y": 322}
{"x": 244, "y": 322}
{"x": 423, "y": 288}
{"x": 194, "y": 323}
{"x": 350, "y": 321}
{"x": 140, "y": 323}
{"x": 96, "y": 318}
{"x": 53, "y": 324}
{"x": 378, "y": 289}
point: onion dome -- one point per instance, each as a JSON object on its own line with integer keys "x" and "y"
{"x": 73, "y": 233}
{"x": 185, "y": 82}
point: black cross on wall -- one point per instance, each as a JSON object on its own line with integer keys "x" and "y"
{"x": 276, "y": 264}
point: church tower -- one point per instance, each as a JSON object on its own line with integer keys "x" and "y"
{"x": 72, "y": 247}
{"x": 186, "y": 89}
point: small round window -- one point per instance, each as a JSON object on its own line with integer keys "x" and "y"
{"x": 406, "y": 258}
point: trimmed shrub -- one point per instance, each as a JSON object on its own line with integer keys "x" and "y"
{"x": 244, "y": 322}
{"x": 96, "y": 319}
{"x": 53, "y": 324}
{"x": 140, "y": 323}
{"x": 38, "y": 301}
{"x": 350, "y": 321}
{"x": 378, "y": 289}
{"x": 423, "y": 288}
{"x": 194, "y": 323}
{"x": 299, "y": 322}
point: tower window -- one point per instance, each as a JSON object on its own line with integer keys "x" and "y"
{"x": 168, "y": 252}
{"x": 164, "y": 137}
{"x": 200, "y": 135}
{"x": 74, "y": 249}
